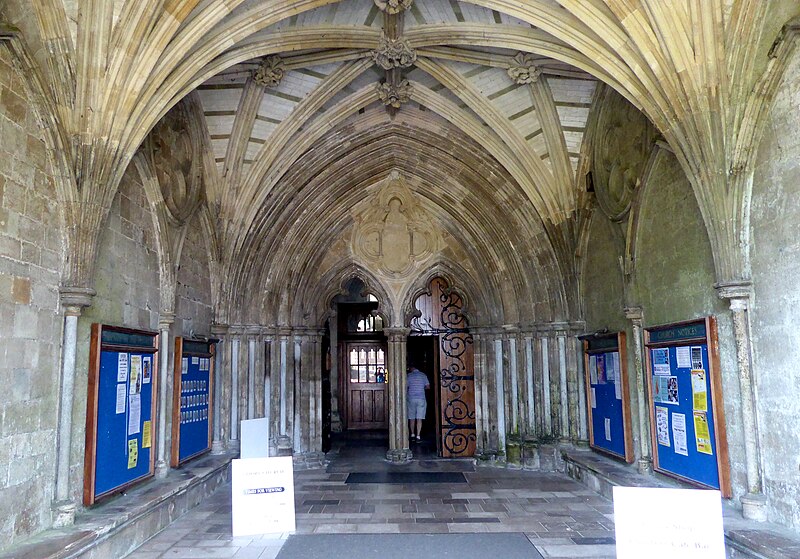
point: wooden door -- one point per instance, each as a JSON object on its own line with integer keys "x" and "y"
{"x": 366, "y": 385}
{"x": 441, "y": 314}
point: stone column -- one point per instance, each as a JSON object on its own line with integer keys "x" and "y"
{"x": 235, "y": 346}
{"x": 635, "y": 315}
{"x": 563, "y": 399}
{"x": 754, "y": 503}
{"x": 510, "y": 337}
{"x": 574, "y": 381}
{"x": 73, "y": 300}
{"x": 398, "y": 413}
{"x": 336, "y": 418}
{"x": 500, "y": 390}
{"x": 583, "y": 425}
{"x": 530, "y": 387}
{"x": 252, "y": 339}
{"x": 284, "y": 439}
{"x": 268, "y": 347}
{"x": 218, "y": 331}
{"x": 547, "y": 414}
{"x": 165, "y": 321}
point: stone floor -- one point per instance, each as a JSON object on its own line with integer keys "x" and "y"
{"x": 559, "y": 517}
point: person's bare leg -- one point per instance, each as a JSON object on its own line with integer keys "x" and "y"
{"x": 419, "y": 427}
{"x": 411, "y": 429}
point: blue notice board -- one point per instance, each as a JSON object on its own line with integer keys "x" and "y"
{"x": 120, "y": 420}
{"x": 687, "y": 419}
{"x": 192, "y": 399}
{"x": 607, "y": 397}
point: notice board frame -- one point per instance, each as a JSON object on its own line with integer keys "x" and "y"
{"x": 597, "y": 344}
{"x": 187, "y": 347}
{"x": 691, "y": 335}
{"x": 115, "y": 344}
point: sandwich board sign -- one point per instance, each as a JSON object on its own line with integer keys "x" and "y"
{"x": 262, "y": 496}
{"x": 668, "y": 523}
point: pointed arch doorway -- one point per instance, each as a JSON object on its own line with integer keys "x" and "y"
{"x": 440, "y": 342}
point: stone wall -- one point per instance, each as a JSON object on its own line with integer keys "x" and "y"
{"x": 775, "y": 320}
{"x": 30, "y": 323}
{"x": 194, "y": 311}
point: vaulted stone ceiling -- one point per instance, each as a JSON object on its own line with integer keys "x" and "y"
{"x": 499, "y": 90}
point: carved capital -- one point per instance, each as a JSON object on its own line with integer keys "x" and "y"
{"x": 394, "y": 95}
{"x": 523, "y": 70}
{"x": 165, "y": 320}
{"x": 392, "y": 7}
{"x": 270, "y": 72}
{"x": 394, "y": 53}
{"x": 738, "y": 293}
{"x": 73, "y": 299}
{"x": 634, "y": 314}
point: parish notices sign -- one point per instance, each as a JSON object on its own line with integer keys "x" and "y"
{"x": 668, "y": 523}
{"x": 263, "y": 496}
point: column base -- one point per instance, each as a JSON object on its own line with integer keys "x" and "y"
{"x": 754, "y": 507}
{"x": 234, "y": 446}
{"x": 162, "y": 469}
{"x": 582, "y": 443}
{"x": 645, "y": 466}
{"x": 399, "y": 455}
{"x": 217, "y": 447}
{"x": 63, "y": 514}
{"x": 284, "y": 446}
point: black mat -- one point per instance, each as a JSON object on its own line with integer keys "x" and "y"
{"x": 406, "y": 477}
{"x": 407, "y": 546}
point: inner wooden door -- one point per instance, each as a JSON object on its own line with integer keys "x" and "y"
{"x": 366, "y": 385}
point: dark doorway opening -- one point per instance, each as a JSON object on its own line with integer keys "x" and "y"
{"x": 423, "y": 353}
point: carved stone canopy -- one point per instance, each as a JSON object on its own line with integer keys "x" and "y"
{"x": 523, "y": 70}
{"x": 270, "y": 73}
{"x": 394, "y": 95}
{"x": 394, "y": 53}
{"x": 393, "y": 6}
{"x": 392, "y": 233}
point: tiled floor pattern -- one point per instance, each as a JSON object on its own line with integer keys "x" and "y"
{"x": 560, "y": 517}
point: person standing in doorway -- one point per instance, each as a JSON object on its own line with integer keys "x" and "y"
{"x": 417, "y": 383}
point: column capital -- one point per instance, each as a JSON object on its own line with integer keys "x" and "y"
{"x": 283, "y": 331}
{"x": 510, "y": 330}
{"x": 74, "y": 299}
{"x": 219, "y": 329}
{"x": 252, "y": 329}
{"x": 165, "y": 320}
{"x": 738, "y": 293}
{"x": 395, "y": 332}
{"x": 236, "y": 329}
{"x": 577, "y": 326}
{"x": 634, "y": 313}
{"x": 560, "y": 328}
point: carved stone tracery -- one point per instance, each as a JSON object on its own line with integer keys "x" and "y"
{"x": 394, "y": 53}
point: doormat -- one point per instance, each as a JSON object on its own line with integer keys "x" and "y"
{"x": 403, "y": 546}
{"x": 406, "y": 477}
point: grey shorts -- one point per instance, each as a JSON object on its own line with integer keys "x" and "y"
{"x": 416, "y": 409}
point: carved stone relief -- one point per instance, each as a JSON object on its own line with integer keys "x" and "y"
{"x": 177, "y": 159}
{"x": 622, "y": 142}
{"x": 523, "y": 70}
{"x": 392, "y": 233}
{"x": 393, "y": 95}
{"x": 270, "y": 72}
{"x": 393, "y": 6}
{"x": 394, "y": 53}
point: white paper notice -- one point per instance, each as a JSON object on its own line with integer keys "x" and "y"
{"x": 592, "y": 369}
{"x": 668, "y": 523}
{"x": 697, "y": 357}
{"x": 122, "y": 367}
{"x": 135, "y": 413}
{"x": 184, "y": 365}
{"x": 660, "y": 359}
{"x": 262, "y": 496}
{"x": 683, "y": 356}
{"x": 617, "y": 376}
{"x": 662, "y": 426}
{"x": 679, "y": 433}
{"x": 594, "y": 398}
{"x": 122, "y": 393}
{"x": 608, "y": 428}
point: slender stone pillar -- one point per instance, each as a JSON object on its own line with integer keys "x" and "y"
{"x": 165, "y": 321}
{"x": 563, "y": 399}
{"x": 235, "y": 344}
{"x": 73, "y": 300}
{"x": 252, "y": 339}
{"x": 530, "y": 424}
{"x": 511, "y": 333}
{"x": 336, "y": 418}
{"x": 547, "y": 417}
{"x": 574, "y": 384}
{"x": 268, "y": 336}
{"x": 754, "y": 503}
{"x": 481, "y": 414}
{"x": 284, "y": 438}
{"x": 635, "y": 315}
{"x": 218, "y": 331}
{"x": 583, "y": 426}
{"x": 398, "y": 413}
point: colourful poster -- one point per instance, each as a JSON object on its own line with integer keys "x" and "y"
{"x": 146, "y": 434}
{"x": 601, "y": 369}
{"x": 660, "y": 358}
{"x": 147, "y": 369}
{"x": 699, "y": 394}
{"x": 136, "y": 374}
{"x": 702, "y": 436}
{"x": 662, "y": 426}
{"x": 133, "y": 453}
